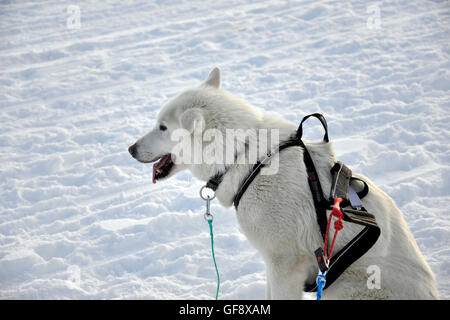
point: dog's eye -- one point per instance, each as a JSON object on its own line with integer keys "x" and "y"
{"x": 162, "y": 127}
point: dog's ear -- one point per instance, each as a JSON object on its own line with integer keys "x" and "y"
{"x": 192, "y": 120}
{"x": 213, "y": 79}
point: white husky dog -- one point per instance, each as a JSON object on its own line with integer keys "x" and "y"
{"x": 276, "y": 213}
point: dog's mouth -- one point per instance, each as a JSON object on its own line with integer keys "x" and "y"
{"x": 162, "y": 167}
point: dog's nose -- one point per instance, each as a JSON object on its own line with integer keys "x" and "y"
{"x": 132, "y": 150}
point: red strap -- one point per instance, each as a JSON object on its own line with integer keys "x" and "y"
{"x": 338, "y": 225}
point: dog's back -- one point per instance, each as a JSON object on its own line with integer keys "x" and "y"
{"x": 277, "y": 215}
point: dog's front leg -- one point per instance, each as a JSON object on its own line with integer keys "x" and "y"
{"x": 285, "y": 278}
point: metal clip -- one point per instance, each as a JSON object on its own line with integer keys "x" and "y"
{"x": 208, "y": 216}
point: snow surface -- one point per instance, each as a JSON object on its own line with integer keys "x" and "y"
{"x": 81, "y": 219}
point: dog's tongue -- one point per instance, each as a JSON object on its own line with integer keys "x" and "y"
{"x": 158, "y": 165}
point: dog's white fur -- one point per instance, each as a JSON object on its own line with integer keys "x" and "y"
{"x": 277, "y": 214}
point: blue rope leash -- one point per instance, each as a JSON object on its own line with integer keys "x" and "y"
{"x": 320, "y": 280}
{"x": 213, "y": 256}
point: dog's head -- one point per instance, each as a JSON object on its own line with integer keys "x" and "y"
{"x": 192, "y": 131}
{"x": 183, "y": 118}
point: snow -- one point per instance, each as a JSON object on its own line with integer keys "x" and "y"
{"x": 80, "y": 219}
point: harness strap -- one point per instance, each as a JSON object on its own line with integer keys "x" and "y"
{"x": 214, "y": 182}
{"x": 348, "y": 254}
{"x": 257, "y": 168}
{"x": 342, "y": 176}
{"x": 320, "y": 203}
{"x": 360, "y": 244}
{"x": 322, "y": 120}
{"x": 340, "y": 182}
{"x": 364, "y": 191}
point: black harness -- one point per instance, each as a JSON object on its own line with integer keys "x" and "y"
{"x": 351, "y": 208}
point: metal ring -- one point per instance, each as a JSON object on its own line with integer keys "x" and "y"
{"x": 207, "y": 197}
{"x": 208, "y": 217}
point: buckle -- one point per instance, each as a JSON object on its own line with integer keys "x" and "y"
{"x": 321, "y": 261}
